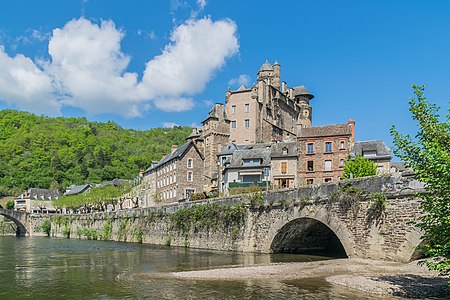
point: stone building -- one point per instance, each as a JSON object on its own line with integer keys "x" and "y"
{"x": 283, "y": 166}
{"x": 267, "y": 112}
{"x": 322, "y": 151}
{"x": 376, "y": 151}
{"x": 36, "y": 201}
{"x": 176, "y": 176}
{"x": 243, "y": 165}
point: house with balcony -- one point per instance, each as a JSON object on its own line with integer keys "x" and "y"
{"x": 244, "y": 165}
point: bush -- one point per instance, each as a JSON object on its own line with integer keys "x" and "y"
{"x": 10, "y": 204}
{"x": 197, "y": 196}
{"x": 46, "y": 226}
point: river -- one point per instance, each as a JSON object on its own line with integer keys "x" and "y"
{"x": 55, "y": 268}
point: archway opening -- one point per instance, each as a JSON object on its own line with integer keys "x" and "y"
{"x": 308, "y": 236}
{"x": 20, "y": 228}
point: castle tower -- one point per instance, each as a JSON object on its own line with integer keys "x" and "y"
{"x": 302, "y": 97}
{"x": 215, "y": 134}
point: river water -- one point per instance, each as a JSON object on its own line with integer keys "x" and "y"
{"x": 52, "y": 268}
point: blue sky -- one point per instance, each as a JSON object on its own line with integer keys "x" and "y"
{"x": 115, "y": 60}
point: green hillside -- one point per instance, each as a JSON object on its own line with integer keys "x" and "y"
{"x": 43, "y": 152}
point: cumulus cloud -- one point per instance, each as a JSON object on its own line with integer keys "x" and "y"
{"x": 88, "y": 70}
{"x": 208, "y": 103}
{"x": 23, "y": 84}
{"x": 243, "y": 79}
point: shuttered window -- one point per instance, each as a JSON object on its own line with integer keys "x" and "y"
{"x": 283, "y": 167}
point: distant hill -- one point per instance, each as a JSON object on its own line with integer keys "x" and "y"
{"x": 43, "y": 152}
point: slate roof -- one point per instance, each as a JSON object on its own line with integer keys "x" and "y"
{"x": 382, "y": 151}
{"x": 39, "y": 194}
{"x": 261, "y": 151}
{"x": 179, "y": 152}
{"x": 328, "y": 130}
{"x": 291, "y": 147}
{"x": 301, "y": 91}
{"x": 266, "y": 66}
{"x": 215, "y": 113}
{"x": 77, "y": 189}
{"x": 229, "y": 149}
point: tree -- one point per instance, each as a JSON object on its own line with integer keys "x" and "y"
{"x": 428, "y": 154}
{"x": 359, "y": 167}
{"x": 10, "y": 204}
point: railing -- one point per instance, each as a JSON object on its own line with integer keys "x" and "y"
{"x": 247, "y": 184}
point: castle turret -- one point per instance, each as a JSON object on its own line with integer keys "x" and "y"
{"x": 302, "y": 97}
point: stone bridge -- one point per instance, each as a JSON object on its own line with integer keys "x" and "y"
{"x": 19, "y": 218}
{"x": 369, "y": 217}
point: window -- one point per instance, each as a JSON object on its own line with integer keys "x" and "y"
{"x": 174, "y": 177}
{"x": 247, "y": 123}
{"x": 283, "y": 167}
{"x": 327, "y": 179}
{"x": 190, "y": 177}
{"x": 188, "y": 192}
{"x": 284, "y": 151}
{"x": 251, "y": 162}
{"x": 342, "y": 145}
{"x": 190, "y": 163}
{"x": 310, "y": 166}
{"x": 327, "y": 165}
{"x": 310, "y": 148}
{"x": 233, "y": 124}
{"x": 247, "y": 107}
{"x": 233, "y": 109}
{"x": 341, "y": 163}
{"x": 309, "y": 181}
{"x": 369, "y": 153}
{"x": 328, "y": 147}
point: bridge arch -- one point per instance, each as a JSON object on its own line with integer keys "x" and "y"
{"x": 308, "y": 236}
{"x": 313, "y": 230}
{"x": 15, "y": 216}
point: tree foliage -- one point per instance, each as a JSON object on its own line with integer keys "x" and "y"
{"x": 42, "y": 152}
{"x": 10, "y": 204}
{"x": 428, "y": 154}
{"x": 97, "y": 198}
{"x": 359, "y": 167}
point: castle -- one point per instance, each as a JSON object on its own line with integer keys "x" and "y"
{"x": 262, "y": 133}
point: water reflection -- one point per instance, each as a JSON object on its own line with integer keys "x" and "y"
{"x": 43, "y": 268}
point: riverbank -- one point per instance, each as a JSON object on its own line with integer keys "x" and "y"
{"x": 375, "y": 277}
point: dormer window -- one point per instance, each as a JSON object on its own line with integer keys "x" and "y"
{"x": 251, "y": 162}
{"x": 284, "y": 151}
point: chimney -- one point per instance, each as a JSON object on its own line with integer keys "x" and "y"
{"x": 283, "y": 87}
{"x": 174, "y": 147}
{"x": 163, "y": 155}
{"x": 352, "y": 124}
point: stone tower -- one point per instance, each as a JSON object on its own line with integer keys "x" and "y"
{"x": 215, "y": 134}
{"x": 302, "y": 97}
{"x": 276, "y": 75}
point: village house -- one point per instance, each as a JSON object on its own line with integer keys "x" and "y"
{"x": 376, "y": 151}
{"x": 176, "y": 176}
{"x": 36, "y": 201}
{"x": 322, "y": 151}
{"x": 283, "y": 167}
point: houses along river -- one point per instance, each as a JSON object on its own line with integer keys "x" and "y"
{"x": 55, "y": 268}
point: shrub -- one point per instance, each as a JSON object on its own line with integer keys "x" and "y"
{"x": 46, "y": 226}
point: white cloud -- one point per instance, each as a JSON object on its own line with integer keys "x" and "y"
{"x": 169, "y": 125}
{"x": 87, "y": 70}
{"x": 24, "y": 85}
{"x": 243, "y": 79}
{"x": 40, "y": 36}
{"x": 148, "y": 35}
{"x": 201, "y": 3}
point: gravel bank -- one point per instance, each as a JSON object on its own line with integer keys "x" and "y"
{"x": 376, "y": 277}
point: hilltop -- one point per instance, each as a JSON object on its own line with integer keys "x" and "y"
{"x": 44, "y": 152}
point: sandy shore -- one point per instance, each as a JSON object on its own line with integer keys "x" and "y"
{"x": 376, "y": 277}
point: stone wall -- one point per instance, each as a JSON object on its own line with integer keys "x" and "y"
{"x": 272, "y": 222}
